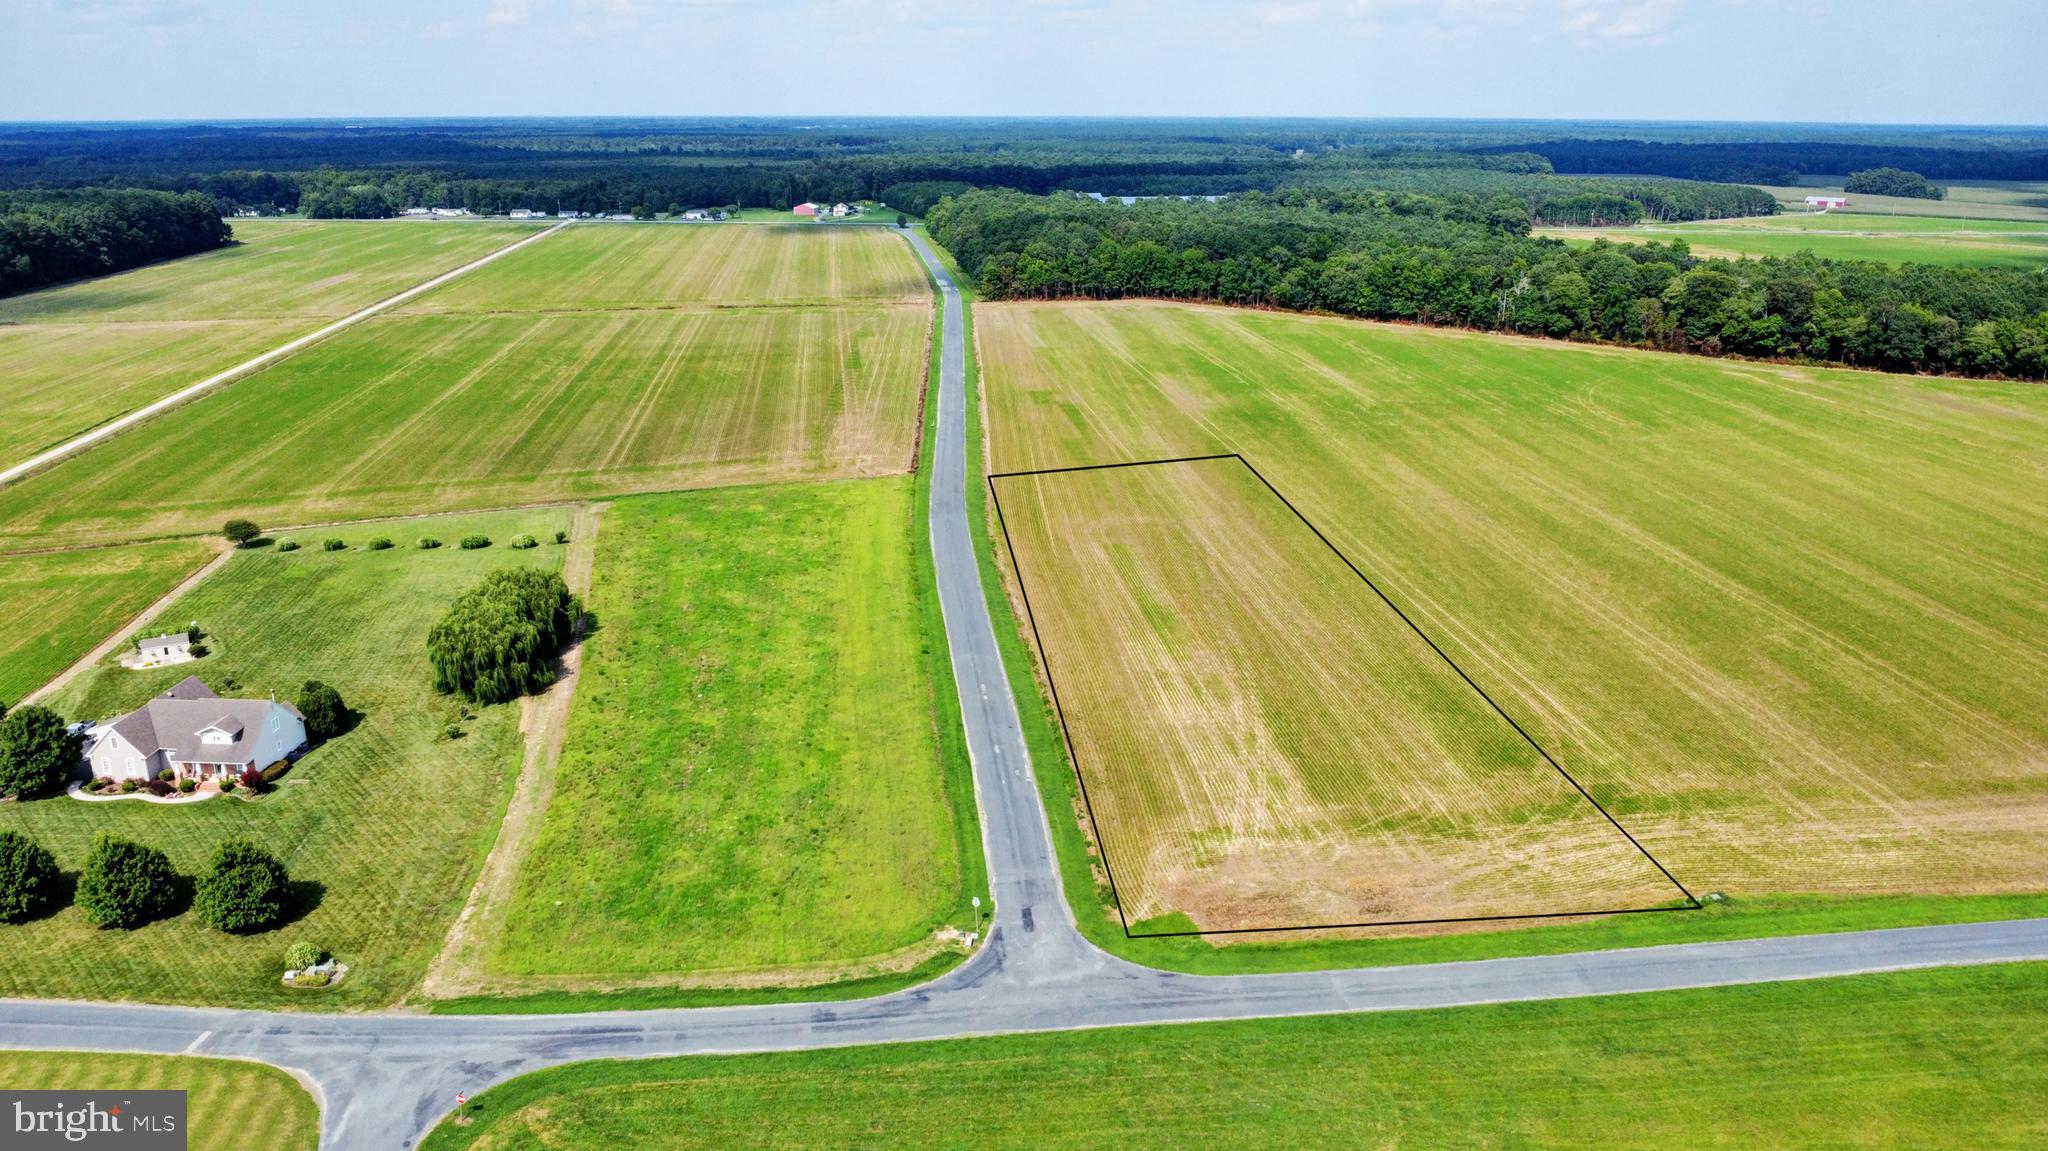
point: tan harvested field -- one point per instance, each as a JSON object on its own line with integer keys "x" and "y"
{"x": 1790, "y": 625}
{"x": 1266, "y": 743}
{"x": 595, "y": 267}
{"x": 414, "y": 414}
{"x": 75, "y": 356}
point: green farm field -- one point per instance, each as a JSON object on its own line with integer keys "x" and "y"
{"x": 1785, "y": 623}
{"x": 60, "y": 605}
{"x": 1936, "y": 1059}
{"x": 598, "y": 267}
{"x": 1266, "y": 744}
{"x": 414, "y": 414}
{"x": 390, "y": 821}
{"x": 1846, "y": 236}
{"x": 230, "y": 1105}
{"x": 1971, "y": 199}
{"x": 752, "y": 782}
{"x": 75, "y": 356}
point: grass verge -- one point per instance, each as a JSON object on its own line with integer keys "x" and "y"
{"x": 230, "y": 1105}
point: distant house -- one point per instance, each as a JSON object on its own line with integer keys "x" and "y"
{"x": 841, "y": 210}
{"x": 417, "y": 212}
{"x": 451, "y": 211}
{"x": 804, "y": 209}
{"x": 696, "y": 214}
{"x": 160, "y": 650}
{"x": 1825, "y": 202}
{"x": 526, "y": 214}
{"x": 196, "y": 735}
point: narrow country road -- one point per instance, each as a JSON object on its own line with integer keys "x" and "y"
{"x": 385, "y": 1079}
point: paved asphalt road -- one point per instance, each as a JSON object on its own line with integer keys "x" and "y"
{"x": 385, "y": 1079}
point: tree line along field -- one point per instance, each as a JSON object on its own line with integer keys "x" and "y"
{"x": 1785, "y": 623}
{"x": 610, "y": 266}
{"x": 752, "y": 777}
{"x": 60, "y": 604}
{"x": 1847, "y": 236}
{"x": 381, "y": 828}
{"x": 1933, "y": 1059}
{"x": 230, "y": 1105}
{"x": 417, "y": 413}
{"x": 1266, "y": 745}
{"x": 75, "y": 356}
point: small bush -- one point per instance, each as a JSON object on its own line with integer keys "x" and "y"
{"x": 127, "y": 786}
{"x": 378, "y": 543}
{"x": 244, "y": 890}
{"x": 325, "y": 714}
{"x": 303, "y": 954}
{"x": 332, "y": 545}
{"x": 524, "y": 541}
{"x": 28, "y": 877}
{"x": 241, "y": 533}
{"x": 227, "y": 784}
{"x": 188, "y": 786}
{"x": 103, "y": 781}
{"x": 428, "y": 543}
{"x": 158, "y": 788}
{"x": 199, "y": 650}
{"x": 561, "y": 537}
{"x": 167, "y": 775}
{"x": 316, "y": 980}
{"x": 287, "y": 544}
{"x": 272, "y": 773}
{"x": 124, "y": 884}
{"x": 475, "y": 541}
{"x": 452, "y": 731}
{"x": 254, "y": 781}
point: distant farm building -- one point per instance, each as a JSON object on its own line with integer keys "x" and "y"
{"x": 1823, "y": 203}
{"x": 159, "y": 650}
{"x": 804, "y": 209}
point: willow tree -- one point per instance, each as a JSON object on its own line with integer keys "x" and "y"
{"x": 499, "y": 639}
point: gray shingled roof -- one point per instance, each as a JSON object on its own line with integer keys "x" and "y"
{"x": 174, "y": 720}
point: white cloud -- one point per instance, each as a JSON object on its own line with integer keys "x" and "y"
{"x": 1629, "y": 20}
{"x": 509, "y": 13}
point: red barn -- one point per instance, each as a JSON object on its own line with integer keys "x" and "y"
{"x": 804, "y": 209}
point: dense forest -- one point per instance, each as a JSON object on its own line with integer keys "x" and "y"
{"x": 1471, "y": 262}
{"x": 50, "y": 237}
{"x": 1893, "y": 182}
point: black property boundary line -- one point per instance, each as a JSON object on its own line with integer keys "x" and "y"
{"x": 1691, "y": 903}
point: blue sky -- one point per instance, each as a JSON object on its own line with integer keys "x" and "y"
{"x": 1890, "y": 61}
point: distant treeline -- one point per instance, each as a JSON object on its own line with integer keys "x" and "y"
{"x": 1782, "y": 162}
{"x": 1471, "y": 262}
{"x": 50, "y": 237}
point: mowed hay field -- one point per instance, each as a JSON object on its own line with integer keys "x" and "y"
{"x": 1789, "y": 625}
{"x": 1924, "y": 1059}
{"x": 751, "y": 777}
{"x": 75, "y": 356}
{"x": 230, "y": 1105}
{"x": 1266, "y": 744}
{"x": 1846, "y": 236}
{"x": 60, "y": 605}
{"x": 611, "y": 266}
{"x": 384, "y": 827}
{"x": 420, "y": 413}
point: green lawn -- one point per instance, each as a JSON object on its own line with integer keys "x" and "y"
{"x": 752, "y": 777}
{"x": 230, "y": 1105}
{"x": 390, "y": 821}
{"x": 443, "y": 412}
{"x": 62, "y": 604}
{"x": 75, "y": 356}
{"x": 1937, "y": 1059}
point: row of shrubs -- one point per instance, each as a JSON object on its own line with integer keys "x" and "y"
{"x": 126, "y": 884}
{"x": 244, "y": 533}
